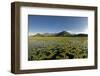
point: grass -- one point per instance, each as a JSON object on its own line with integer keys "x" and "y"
{"x": 51, "y": 48}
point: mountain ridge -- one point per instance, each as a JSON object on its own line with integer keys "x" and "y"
{"x": 60, "y": 34}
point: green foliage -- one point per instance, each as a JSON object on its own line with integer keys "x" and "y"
{"x": 51, "y": 48}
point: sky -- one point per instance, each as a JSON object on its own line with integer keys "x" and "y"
{"x": 55, "y": 24}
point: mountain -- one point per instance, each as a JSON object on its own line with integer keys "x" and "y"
{"x": 38, "y": 35}
{"x": 60, "y": 34}
{"x": 63, "y": 34}
{"x": 44, "y": 35}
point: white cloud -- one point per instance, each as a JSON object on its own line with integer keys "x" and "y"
{"x": 85, "y": 31}
{"x": 30, "y": 33}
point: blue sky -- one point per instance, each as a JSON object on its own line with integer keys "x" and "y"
{"x": 54, "y": 24}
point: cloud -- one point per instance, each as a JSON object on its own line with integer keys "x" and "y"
{"x": 85, "y": 31}
{"x": 30, "y": 33}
